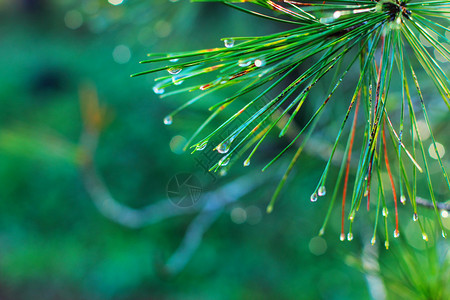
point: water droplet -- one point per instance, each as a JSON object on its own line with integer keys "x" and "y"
{"x": 403, "y": 199}
{"x": 386, "y": 244}
{"x": 314, "y": 197}
{"x": 229, "y": 43}
{"x": 415, "y": 217}
{"x": 174, "y": 60}
{"x": 337, "y": 14}
{"x": 247, "y": 162}
{"x": 202, "y": 146}
{"x": 224, "y": 161}
{"x": 158, "y": 90}
{"x": 385, "y": 212}
{"x": 321, "y": 232}
{"x": 373, "y": 240}
{"x": 425, "y": 237}
{"x": 260, "y": 63}
{"x": 342, "y": 237}
{"x": 177, "y": 80}
{"x": 350, "y": 236}
{"x": 174, "y": 70}
{"x": 352, "y": 216}
{"x": 168, "y": 120}
{"x": 224, "y": 147}
{"x": 396, "y": 233}
{"x": 322, "y": 191}
{"x": 444, "y": 234}
{"x": 244, "y": 63}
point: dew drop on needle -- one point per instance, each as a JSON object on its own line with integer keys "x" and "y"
{"x": 174, "y": 70}
{"x": 158, "y": 90}
{"x": 202, "y": 146}
{"x": 247, "y": 162}
{"x": 168, "y": 120}
{"x": 224, "y": 161}
{"x": 350, "y": 236}
{"x": 396, "y": 233}
{"x": 244, "y": 63}
{"x": 403, "y": 199}
{"x": 322, "y": 191}
{"x": 223, "y": 147}
{"x": 260, "y": 63}
{"x": 229, "y": 43}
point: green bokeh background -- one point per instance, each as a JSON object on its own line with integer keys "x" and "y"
{"x": 54, "y": 243}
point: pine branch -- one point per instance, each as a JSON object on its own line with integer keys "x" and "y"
{"x": 331, "y": 36}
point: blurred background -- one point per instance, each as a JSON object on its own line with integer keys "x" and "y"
{"x": 109, "y": 230}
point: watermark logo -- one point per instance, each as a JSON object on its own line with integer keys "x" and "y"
{"x": 184, "y": 190}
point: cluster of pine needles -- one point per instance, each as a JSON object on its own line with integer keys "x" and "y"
{"x": 380, "y": 38}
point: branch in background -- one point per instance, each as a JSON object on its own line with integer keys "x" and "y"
{"x": 191, "y": 241}
{"x": 163, "y": 209}
{"x": 428, "y": 204}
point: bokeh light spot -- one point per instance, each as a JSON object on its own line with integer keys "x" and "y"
{"x": 238, "y": 215}
{"x": 121, "y": 54}
{"x": 73, "y": 19}
{"x": 422, "y": 127}
{"x": 162, "y": 28}
{"x": 317, "y": 245}
{"x": 177, "y": 143}
{"x": 440, "y": 150}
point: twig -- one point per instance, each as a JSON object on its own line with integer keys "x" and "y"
{"x": 191, "y": 241}
{"x": 427, "y": 203}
